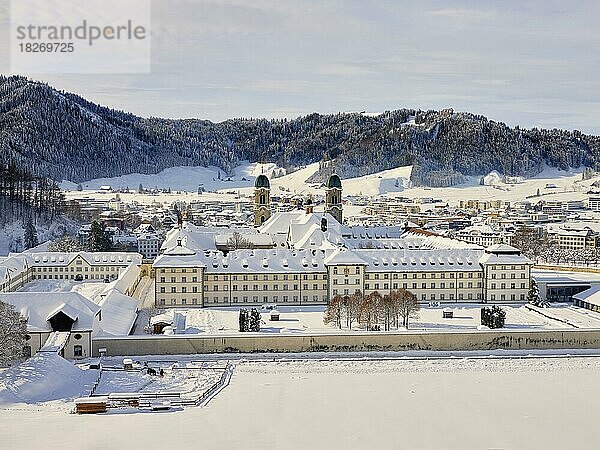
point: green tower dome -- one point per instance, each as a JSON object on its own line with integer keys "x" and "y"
{"x": 334, "y": 182}
{"x": 262, "y": 182}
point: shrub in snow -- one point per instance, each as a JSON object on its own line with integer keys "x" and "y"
{"x": 493, "y": 317}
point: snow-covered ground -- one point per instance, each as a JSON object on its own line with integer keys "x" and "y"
{"x": 186, "y": 378}
{"x": 450, "y": 403}
{"x": 45, "y": 378}
{"x": 573, "y": 316}
{"x": 309, "y": 319}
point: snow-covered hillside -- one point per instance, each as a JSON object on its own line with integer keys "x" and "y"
{"x": 184, "y": 178}
{"x": 11, "y": 235}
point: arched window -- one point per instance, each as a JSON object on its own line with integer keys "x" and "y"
{"x": 263, "y": 199}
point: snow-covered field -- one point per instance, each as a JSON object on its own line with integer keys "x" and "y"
{"x": 309, "y": 319}
{"x": 450, "y": 403}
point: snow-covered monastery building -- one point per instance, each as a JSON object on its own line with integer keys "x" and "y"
{"x": 314, "y": 257}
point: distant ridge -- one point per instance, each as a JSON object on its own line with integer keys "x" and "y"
{"x": 63, "y": 136}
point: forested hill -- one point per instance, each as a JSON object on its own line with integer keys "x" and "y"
{"x": 63, "y": 136}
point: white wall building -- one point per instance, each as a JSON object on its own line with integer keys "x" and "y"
{"x": 148, "y": 245}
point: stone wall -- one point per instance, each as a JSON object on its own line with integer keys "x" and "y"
{"x": 248, "y": 343}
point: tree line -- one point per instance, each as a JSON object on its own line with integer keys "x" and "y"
{"x": 374, "y": 312}
{"x": 28, "y": 198}
{"x": 63, "y": 136}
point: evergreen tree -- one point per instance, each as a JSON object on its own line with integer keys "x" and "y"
{"x": 534, "y": 297}
{"x": 99, "y": 240}
{"x": 254, "y": 323}
{"x": 243, "y": 320}
{"x": 30, "y": 237}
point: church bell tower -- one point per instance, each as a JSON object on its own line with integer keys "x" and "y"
{"x": 333, "y": 197}
{"x": 262, "y": 200}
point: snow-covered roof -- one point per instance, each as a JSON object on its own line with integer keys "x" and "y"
{"x": 200, "y": 238}
{"x": 118, "y": 314}
{"x": 92, "y": 258}
{"x": 250, "y": 261}
{"x": 591, "y": 295}
{"x": 426, "y": 240}
{"x": 39, "y": 307}
{"x": 502, "y": 249}
{"x": 420, "y": 260}
{"x": 261, "y": 240}
{"x": 499, "y": 254}
{"x": 12, "y": 266}
{"x": 179, "y": 250}
{"x": 344, "y": 257}
{"x": 125, "y": 280}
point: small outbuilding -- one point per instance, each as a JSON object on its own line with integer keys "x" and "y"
{"x": 274, "y": 315}
{"x": 128, "y": 364}
{"x": 91, "y": 405}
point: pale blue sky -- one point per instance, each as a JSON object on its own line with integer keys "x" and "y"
{"x": 532, "y": 63}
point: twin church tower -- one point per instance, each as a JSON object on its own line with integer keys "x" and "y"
{"x": 262, "y": 199}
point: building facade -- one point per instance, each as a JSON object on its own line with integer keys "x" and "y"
{"x": 186, "y": 278}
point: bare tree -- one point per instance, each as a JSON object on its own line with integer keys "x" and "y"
{"x": 237, "y": 241}
{"x": 13, "y": 329}
{"x": 352, "y": 308}
{"x": 408, "y": 306}
{"x": 334, "y": 311}
{"x": 370, "y": 310}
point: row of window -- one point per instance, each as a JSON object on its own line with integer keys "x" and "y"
{"x": 72, "y": 277}
{"x": 513, "y": 297}
{"x": 247, "y": 299}
{"x": 246, "y": 287}
{"x": 72, "y": 269}
{"x": 433, "y": 275}
{"x": 432, "y": 296}
{"x": 503, "y": 285}
{"x": 512, "y": 276}
{"x": 442, "y": 285}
